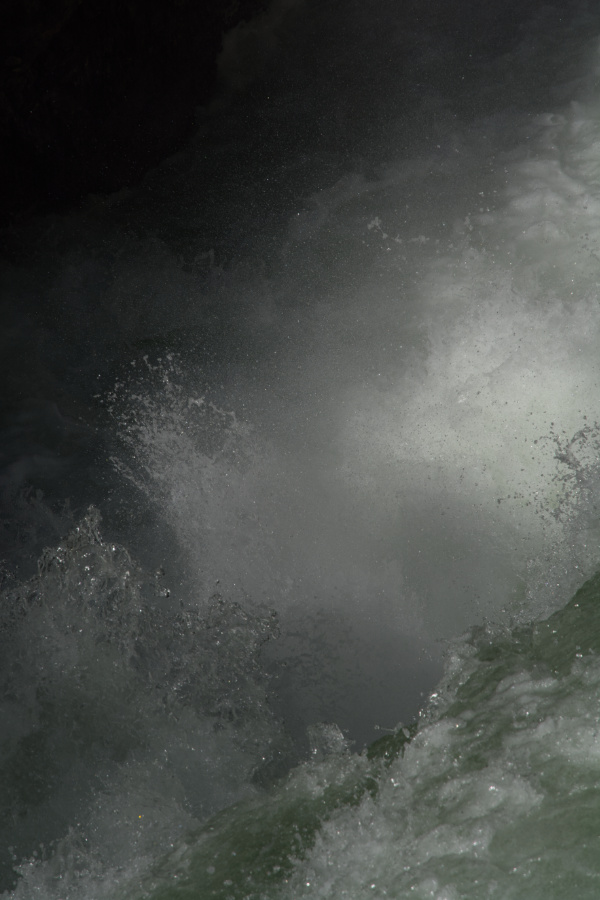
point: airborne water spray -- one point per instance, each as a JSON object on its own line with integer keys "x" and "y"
{"x": 374, "y": 416}
{"x": 239, "y": 516}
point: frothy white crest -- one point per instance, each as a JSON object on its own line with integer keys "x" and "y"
{"x": 479, "y": 442}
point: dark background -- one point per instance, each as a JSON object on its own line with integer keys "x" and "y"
{"x": 95, "y": 92}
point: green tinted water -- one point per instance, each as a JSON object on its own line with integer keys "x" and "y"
{"x": 496, "y": 795}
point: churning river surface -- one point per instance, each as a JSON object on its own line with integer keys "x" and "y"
{"x": 300, "y": 470}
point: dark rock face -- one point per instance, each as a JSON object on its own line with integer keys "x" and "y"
{"x": 94, "y": 92}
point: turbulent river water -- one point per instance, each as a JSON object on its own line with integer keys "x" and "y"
{"x": 300, "y": 471}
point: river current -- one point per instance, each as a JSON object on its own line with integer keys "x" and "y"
{"x": 300, "y": 477}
